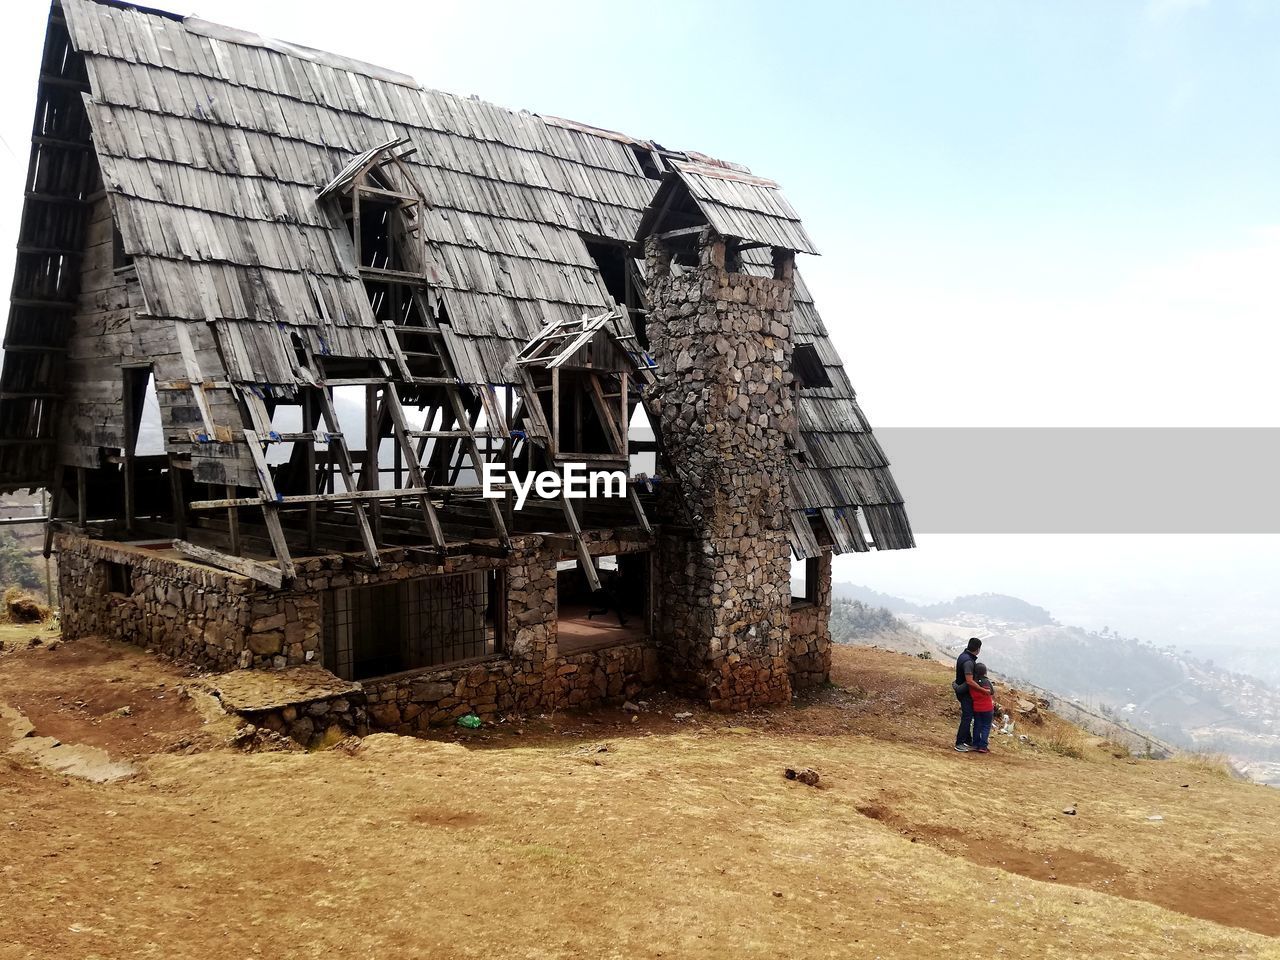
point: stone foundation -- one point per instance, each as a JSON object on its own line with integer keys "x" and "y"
{"x": 406, "y": 703}
{"x": 222, "y": 621}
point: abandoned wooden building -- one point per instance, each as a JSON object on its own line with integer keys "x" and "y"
{"x": 278, "y": 315}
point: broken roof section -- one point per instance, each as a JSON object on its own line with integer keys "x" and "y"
{"x": 737, "y": 205}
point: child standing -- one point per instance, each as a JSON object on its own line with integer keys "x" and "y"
{"x": 983, "y": 692}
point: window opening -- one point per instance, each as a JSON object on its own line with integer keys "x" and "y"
{"x": 429, "y": 622}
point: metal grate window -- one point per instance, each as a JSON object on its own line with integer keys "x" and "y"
{"x": 433, "y": 621}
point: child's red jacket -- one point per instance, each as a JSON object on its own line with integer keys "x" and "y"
{"x": 983, "y": 702}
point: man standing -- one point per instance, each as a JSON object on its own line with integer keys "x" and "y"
{"x": 964, "y": 670}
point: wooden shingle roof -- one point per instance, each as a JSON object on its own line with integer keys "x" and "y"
{"x": 214, "y": 144}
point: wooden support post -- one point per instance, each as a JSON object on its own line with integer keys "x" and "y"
{"x": 624, "y": 418}
{"x": 130, "y": 510}
{"x": 309, "y": 426}
{"x": 371, "y": 472}
{"x": 55, "y": 506}
{"x": 82, "y": 496}
{"x": 177, "y": 500}
{"x": 233, "y": 521}
{"x": 555, "y": 411}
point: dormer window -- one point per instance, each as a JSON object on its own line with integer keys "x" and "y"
{"x": 383, "y": 211}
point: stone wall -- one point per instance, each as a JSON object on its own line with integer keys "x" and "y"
{"x": 312, "y": 724}
{"x": 810, "y": 660}
{"x": 213, "y": 619}
{"x": 723, "y": 407}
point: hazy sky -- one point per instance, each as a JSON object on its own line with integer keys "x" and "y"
{"x": 1030, "y": 214}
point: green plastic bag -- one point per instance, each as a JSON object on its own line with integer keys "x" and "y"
{"x": 470, "y": 721}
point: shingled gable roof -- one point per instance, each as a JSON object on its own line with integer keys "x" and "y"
{"x": 213, "y": 145}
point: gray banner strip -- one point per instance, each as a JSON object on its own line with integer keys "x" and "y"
{"x": 1088, "y": 480}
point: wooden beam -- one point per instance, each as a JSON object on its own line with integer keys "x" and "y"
{"x": 254, "y": 569}
{"x": 584, "y": 555}
{"x": 358, "y": 497}
{"x": 682, "y": 232}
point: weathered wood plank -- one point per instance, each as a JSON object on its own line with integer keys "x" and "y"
{"x": 254, "y": 569}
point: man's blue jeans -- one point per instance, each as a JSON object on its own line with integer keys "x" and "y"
{"x": 982, "y": 728}
{"x": 964, "y": 736}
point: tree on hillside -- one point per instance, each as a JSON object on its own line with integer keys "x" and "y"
{"x": 16, "y": 568}
{"x": 853, "y": 619}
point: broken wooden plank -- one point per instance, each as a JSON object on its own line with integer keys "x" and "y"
{"x": 256, "y": 570}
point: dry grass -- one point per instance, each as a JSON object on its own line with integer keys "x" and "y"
{"x": 1062, "y": 738}
{"x": 1117, "y": 750}
{"x": 681, "y": 840}
{"x": 1209, "y": 763}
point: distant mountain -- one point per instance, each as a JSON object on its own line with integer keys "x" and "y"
{"x": 996, "y": 605}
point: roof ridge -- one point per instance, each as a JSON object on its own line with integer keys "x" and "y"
{"x": 705, "y": 169}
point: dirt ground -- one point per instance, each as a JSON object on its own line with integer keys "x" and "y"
{"x": 599, "y": 836}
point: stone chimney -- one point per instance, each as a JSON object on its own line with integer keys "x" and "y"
{"x": 724, "y": 414}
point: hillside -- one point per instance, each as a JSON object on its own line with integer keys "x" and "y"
{"x": 1178, "y": 697}
{"x": 596, "y": 835}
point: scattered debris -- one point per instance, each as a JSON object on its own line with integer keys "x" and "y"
{"x": 1155, "y": 818}
{"x": 631, "y": 707}
{"x": 1070, "y": 811}
{"x": 349, "y": 745}
{"x": 259, "y": 739}
{"x": 125, "y": 711}
{"x": 807, "y": 776}
{"x": 683, "y": 715}
{"x": 470, "y": 721}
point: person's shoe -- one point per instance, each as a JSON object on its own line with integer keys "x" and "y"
{"x": 963, "y": 748}
{"x": 982, "y": 750}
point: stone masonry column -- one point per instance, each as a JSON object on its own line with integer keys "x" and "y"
{"x": 723, "y": 408}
